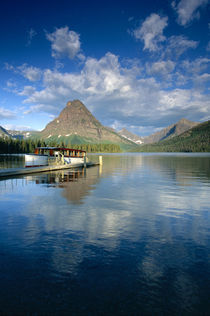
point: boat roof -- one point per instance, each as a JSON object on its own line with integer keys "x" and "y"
{"x": 60, "y": 148}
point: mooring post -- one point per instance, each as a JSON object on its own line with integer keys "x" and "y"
{"x": 85, "y": 162}
{"x": 100, "y": 161}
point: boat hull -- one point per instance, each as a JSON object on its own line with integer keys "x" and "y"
{"x": 33, "y": 160}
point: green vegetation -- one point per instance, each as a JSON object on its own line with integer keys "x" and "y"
{"x": 196, "y": 139}
{"x": 75, "y": 140}
{"x": 11, "y": 146}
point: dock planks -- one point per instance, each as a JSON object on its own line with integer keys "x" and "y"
{"x": 22, "y": 171}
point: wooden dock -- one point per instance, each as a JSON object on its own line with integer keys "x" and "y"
{"x": 11, "y": 172}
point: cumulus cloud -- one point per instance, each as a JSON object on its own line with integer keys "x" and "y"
{"x": 117, "y": 96}
{"x": 188, "y": 10}
{"x": 98, "y": 77}
{"x": 64, "y": 42}
{"x": 6, "y": 114}
{"x": 151, "y": 31}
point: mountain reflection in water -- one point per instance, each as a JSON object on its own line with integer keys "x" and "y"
{"x": 127, "y": 238}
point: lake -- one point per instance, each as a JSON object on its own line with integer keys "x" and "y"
{"x": 131, "y": 237}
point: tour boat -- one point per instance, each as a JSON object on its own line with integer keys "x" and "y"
{"x": 44, "y": 156}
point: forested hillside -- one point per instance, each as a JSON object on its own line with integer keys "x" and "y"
{"x": 196, "y": 139}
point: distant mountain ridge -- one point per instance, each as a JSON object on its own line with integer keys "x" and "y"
{"x": 130, "y": 136}
{"x": 171, "y": 131}
{"x": 196, "y": 139}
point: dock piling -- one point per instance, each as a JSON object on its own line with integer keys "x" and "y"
{"x": 100, "y": 161}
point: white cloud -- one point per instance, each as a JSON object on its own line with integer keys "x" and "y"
{"x": 160, "y": 68}
{"x": 201, "y": 81}
{"x": 188, "y": 10}
{"x": 183, "y": 101}
{"x": 102, "y": 81}
{"x": 6, "y": 114}
{"x": 177, "y": 45}
{"x": 27, "y": 90}
{"x": 151, "y": 31}
{"x": 29, "y": 72}
{"x": 195, "y": 67}
{"x": 64, "y": 43}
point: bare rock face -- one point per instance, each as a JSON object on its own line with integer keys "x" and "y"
{"x": 76, "y": 119}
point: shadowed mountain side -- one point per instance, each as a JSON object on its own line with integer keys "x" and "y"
{"x": 197, "y": 139}
{"x": 170, "y": 131}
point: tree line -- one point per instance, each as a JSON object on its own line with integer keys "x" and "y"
{"x": 16, "y": 146}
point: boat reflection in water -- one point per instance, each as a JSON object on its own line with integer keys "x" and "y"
{"x": 75, "y": 184}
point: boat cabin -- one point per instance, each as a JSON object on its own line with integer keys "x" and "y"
{"x": 56, "y": 151}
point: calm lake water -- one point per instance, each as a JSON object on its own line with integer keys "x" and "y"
{"x": 129, "y": 238}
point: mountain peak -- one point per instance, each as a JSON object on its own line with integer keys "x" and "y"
{"x": 75, "y": 103}
{"x": 68, "y": 103}
{"x": 76, "y": 119}
{"x": 184, "y": 121}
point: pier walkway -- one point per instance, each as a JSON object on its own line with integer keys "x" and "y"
{"x": 21, "y": 171}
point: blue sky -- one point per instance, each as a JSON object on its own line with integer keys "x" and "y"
{"x": 142, "y": 65}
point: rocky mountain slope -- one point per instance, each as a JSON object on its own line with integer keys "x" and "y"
{"x": 170, "y": 131}
{"x": 130, "y": 136}
{"x": 75, "y": 122}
